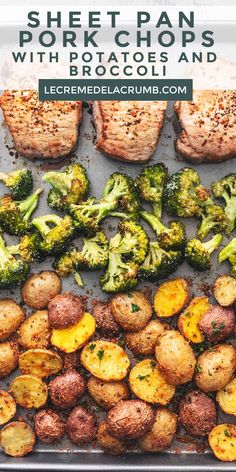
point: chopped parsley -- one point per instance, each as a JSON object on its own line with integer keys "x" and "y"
{"x": 129, "y": 295}
{"x": 227, "y": 433}
{"x": 134, "y": 307}
{"x": 100, "y": 354}
{"x": 217, "y": 329}
{"x": 198, "y": 369}
{"x": 92, "y": 346}
{"x": 153, "y": 364}
{"x": 143, "y": 377}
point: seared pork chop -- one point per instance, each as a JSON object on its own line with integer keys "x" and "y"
{"x": 128, "y": 130}
{"x": 209, "y": 126}
{"x": 41, "y": 129}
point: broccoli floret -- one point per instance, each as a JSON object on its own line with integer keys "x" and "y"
{"x": 12, "y": 271}
{"x": 150, "y": 184}
{"x": 29, "y": 248}
{"x": 88, "y": 214}
{"x": 131, "y": 241}
{"x": 225, "y": 188}
{"x": 19, "y": 182}
{"x": 15, "y": 215}
{"x": 121, "y": 186}
{"x": 65, "y": 265}
{"x": 120, "y": 275}
{"x": 56, "y": 232}
{"x": 213, "y": 218}
{"x": 70, "y": 186}
{"x": 198, "y": 254}
{"x": 159, "y": 263}
{"x": 172, "y": 238}
{"x": 229, "y": 252}
{"x": 94, "y": 253}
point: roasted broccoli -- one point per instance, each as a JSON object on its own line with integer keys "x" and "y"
{"x": 229, "y": 252}
{"x": 225, "y": 188}
{"x": 131, "y": 241}
{"x": 29, "y": 248}
{"x": 65, "y": 265}
{"x": 19, "y": 182}
{"x": 150, "y": 184}
{"x": 70, "y": 186}
{"x": 159, "y": 263}
{"x": 88, "y": 214}
{"x": 56, "y": 232}
{"x": 12, "y": 271}
{"x": 15, "y": 215}
{"x": 213, "y": 218}
{"x": 121, "y": 186}
{"x": 120, "y": 274}
{"x": 172, "y": 238}
{"x": 198, "y": 254}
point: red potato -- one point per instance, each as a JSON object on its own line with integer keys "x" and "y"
{"x": 218, "y": 323}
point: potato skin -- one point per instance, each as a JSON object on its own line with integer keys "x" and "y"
{"x": 162, "y": 433}
{"x": 105, "y": 321}
{"x": 218, "y": 323}
{"x": 107, "y": 442}
{"x": 215, "y": 368}
{"x": 35, "y": 331}
{"x": 107, "y": 394}
{"x": 81, "y": 426}
{"x": 175, "y": 358}
{"x": 197, "y": 413}
{"x": 39, "y": 289}
{"x": 11, "y": 317}
{"x": 48, "y": 426}
{"x": 9, "y": 355}
{"x": 65, "y": 310}
{"x": 224, "y": 290}
{"x": 131, "y": 310}
{"x": 143, "y": 342}
{"x": 65, "y": 389}
{"x": 130, "y": 419}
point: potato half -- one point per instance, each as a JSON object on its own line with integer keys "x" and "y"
{"x": 171, "y": 297}
{"x": 226, "y": 397}
{"x": 148, "y": 383}
{"x": 105, "y": 360}
{"x": 188, "y": 322}
{"x": 215, "y": 368}
{"x": 11, "y": 317}
{"x": 222, "y": 440}
{"x": 29, "y": 391}
{"x": 70, "y": 339}
{"x": 35, "y": 331}
{"x": 224, "y": 290}
{"x": 7, "y": 407}
{"x": 40, "y": 362}
{"x": 17, "y": 439}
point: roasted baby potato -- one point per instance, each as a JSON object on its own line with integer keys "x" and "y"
{"x": 143, "y": 342}
{"x": 105, "y": 360}
{"x": 81, "y": 426}
{"x": 66, "y": 389}
{"x": 148, "y": 384}
{"x": 175, "y": 358}
{"x": 40, "y": 362}
{"x": 215, "y": 368}
{"x": 105, "y": 321}
{"x": 29, "y": 391}
{"x": 197, "y": 413}
{"x": 70, "y": 339}
{"x": 218, "y": 323}
{"x": 222, "y": 440}
{"x": 132, "y": 311}
{"x": 224, "y": 290}
{"x": 130, "y": 419}
{"x": 107, "y": 394}
{"x": 107, "y": 442}
{"x": 171, "y": 297}
{"x": 65, "y": 310}
{"x": 226, "y": 397}
{"x": 39, "y": 289}
{"x": 11, "y": 317}
{"x": 162, "y": 433}
{"x": 17, "y": 439}
{"x": 9, "y": 354}
{"x": 189, "y": 320}
{"x": 35, "y": 331}
{"x": 48, "y": 426}
{"x": 7, "y": 407}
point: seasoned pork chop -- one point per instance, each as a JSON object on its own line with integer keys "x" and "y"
{"x": 209, "y": 126}
{"x": 41, "y": 129}
{"x": 128, "y": 130}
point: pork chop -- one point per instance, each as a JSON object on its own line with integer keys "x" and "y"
{"x": 41, "y": 129}
{"x": 126, "y": 130}
{"x": 209, "y": 126}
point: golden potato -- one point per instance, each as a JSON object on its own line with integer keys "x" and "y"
{"x": 107, "y": 442}
{"x": 40, "y": 362}
{"x": 107, "y": 394}
{"x": 131, "y": 310}
{"x": 148, "y": 384}
{"x": 162, "y": 432}
{"x": 175, "y": 358}
{"x": 39, "y": 289}
{"x": 35, "y": 331}
{"x": 11, "y": 317}
{"x": 226, "y": 397}
{"x": 105, "y": 360}
{"x": 224, "y": 290}
{"x": 215, "y": 368}
{"x": 171, "y": 297}
{"x": 9, "y": 354}
{"x": 17, "y": 439}
{"x": 222, "y": 440}
{"x": 7, "y": 407}
{"x": 70, "y": 339}
{"x": 189, "y": 320}
{"x": 143, "y": 342}
{"x": 29, "y": 391}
